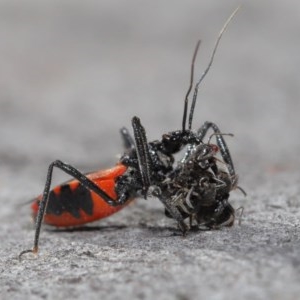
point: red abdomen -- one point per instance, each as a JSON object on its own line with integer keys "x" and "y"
{"x": 71, "y": 204}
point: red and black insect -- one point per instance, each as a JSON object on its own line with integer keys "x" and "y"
{"x": 71, "y": 204}
{"x": 196, "y": 187}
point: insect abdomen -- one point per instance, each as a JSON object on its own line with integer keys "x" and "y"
{"x": 71, "y": 204}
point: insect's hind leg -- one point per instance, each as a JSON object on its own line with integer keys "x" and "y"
{"x": 202, "y": 131}
{"x": 86, "y": 182}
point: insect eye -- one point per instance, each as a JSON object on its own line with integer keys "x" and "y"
{"x": 172, "y": 142}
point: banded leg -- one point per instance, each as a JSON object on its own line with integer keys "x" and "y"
{"x": 202, "y": 131}
{"x": 86, "y": 182}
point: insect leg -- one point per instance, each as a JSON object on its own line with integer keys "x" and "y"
{"x": 143, "y": 154}
{"x": 87, "y": 183}
{"x": 202, "y": 131}
{"x": 171, "y": 209}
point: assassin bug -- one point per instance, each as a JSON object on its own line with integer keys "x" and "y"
{"x": 148, "y": 169}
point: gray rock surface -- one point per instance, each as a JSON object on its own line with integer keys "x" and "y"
{"x": 73, "y": 72}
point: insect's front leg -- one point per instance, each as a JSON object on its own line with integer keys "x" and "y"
{"x": 145, "y": 164}
{"x": 202, "y": 131}
{"x": 84, "y": 181}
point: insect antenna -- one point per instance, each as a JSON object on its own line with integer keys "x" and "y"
{"x": 191, "y": 85}
{"x": 218, "y": 133}
{"x": 208, "y": 66}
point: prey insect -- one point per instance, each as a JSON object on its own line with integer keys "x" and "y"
{"x": 196, "y": 187}
{"x": 199, "y": 188}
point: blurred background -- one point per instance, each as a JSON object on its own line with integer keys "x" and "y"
{"x": 72, "y": 73}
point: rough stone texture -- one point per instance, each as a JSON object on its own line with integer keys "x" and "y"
{"x": 73, "y": 72}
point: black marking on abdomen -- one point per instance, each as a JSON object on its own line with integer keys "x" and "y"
{"x": 70, "y": 201}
